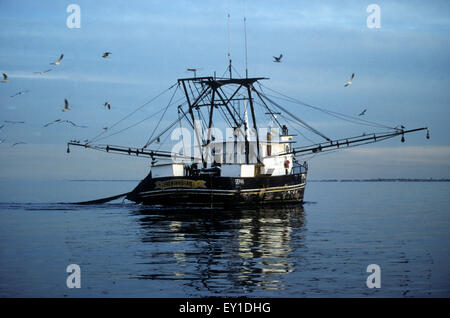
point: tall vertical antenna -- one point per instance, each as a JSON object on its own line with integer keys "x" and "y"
{"x": 229, "y": 44}
{"x": 245, "y": 37}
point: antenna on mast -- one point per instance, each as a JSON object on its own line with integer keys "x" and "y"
{"x": 229, "y": 45}
{"x": 245, "y": 37}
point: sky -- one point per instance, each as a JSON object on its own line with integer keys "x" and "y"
{"x": 402, "y": 77}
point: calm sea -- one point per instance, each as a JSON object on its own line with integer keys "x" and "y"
{"x": 320, "y": 249}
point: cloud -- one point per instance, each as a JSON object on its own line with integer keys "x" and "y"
{"x": 433, "y": 155}
{"x": 382, "y": 162}
{"x": 51, "y": 162}
{"x": 79, "y": 77}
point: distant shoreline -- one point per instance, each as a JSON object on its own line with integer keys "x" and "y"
{"x": 317, "y": 180}
{"x": 383, "y": 180}
{"x": 98, "y": 180}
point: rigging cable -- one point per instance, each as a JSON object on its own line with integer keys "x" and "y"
{"x": 157, "y": 125}
{"x": 338, "y": 115}
{"x": 133, "y": 112}
{"x": 290, "y": 120}
{"x": 128, "y": 127}
{"x": 165, "y": 130}
{"x": 296, "y": 118}
{"x": 326, "y": 151}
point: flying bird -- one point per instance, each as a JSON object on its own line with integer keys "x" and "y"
{"x": 52, "y": 122}
{"x": 5, "y": 78}
{"x": 72, "y": 123}
{"x": 43, "y": 72}
{"x": 18, "y": 143}
{"x": 107, "y": 104}
{"x": 363, "y": 112}
{"x": 278, "y": 59}
{"x": 350, "y": 81}
{"x": 19, "y": 93}
{"x": 59, "y": 121}
{"x": 106, "y": 55}
{"x": 13, "y": 122}
{"x": 66, "y": 106}
{"x": 58, "y": 61}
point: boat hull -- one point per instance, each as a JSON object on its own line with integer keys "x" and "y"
{"x": 209, "y": 190}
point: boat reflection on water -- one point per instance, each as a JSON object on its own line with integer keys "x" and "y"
{"x": 224, "y": 251}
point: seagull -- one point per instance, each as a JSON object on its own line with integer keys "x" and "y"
{"x": 52, "y": 122}
{"x": 66, "y": 106}
{"x": 278, "y": 59}
{"x": 58, "y": 61}
{"x": 106, "y": 55}
{"x": 59, "y": 121}
{"x": 107, "y": 104}
{"x": 43, "y": 72}
{"x": 363, "y": 112}
{"x": 18, "y": 143}
{"x": 13, "y": 122}
{"x": 5, "y": 78}
{"x": 72, "y": 123}
{"x": 350, "y": 81}
{"x": 19, "y": 93}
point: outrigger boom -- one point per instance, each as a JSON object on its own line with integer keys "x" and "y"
{"x": 352, "y": 142}
{"x": 298, "y": 151}
{"x": 130, "y": 151}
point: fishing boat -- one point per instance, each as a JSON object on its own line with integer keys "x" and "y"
{"x": 234, "y": 160}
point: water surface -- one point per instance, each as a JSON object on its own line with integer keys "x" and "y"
{"x": 320, "y": 249}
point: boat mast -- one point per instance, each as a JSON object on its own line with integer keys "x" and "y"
{"x": 252, "y": 109}
{"x": 229, "y": 45}
{"x": 191, "y": 112}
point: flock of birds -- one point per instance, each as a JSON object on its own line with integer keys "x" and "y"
{"x": 107, "y": 104}
{"x": 66, "y": 107}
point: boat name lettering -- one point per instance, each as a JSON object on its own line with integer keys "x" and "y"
{"x": 180, "y": 183}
